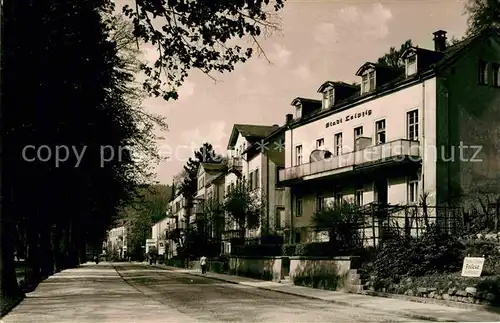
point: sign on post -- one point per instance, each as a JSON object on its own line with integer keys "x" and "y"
{"x": 473, "y": 266}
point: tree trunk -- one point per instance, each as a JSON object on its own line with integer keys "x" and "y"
{"x": 8, "y": 284}
{"x": 56, "y": 247}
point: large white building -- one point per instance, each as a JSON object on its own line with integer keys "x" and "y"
{"x": 117, "y": 242}
{"x": 393, "y": 138}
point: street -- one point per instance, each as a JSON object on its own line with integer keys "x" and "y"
{"x": 209, "y": 300}
{"x": 131, "y": 292}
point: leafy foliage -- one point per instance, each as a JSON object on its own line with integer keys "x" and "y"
{"x": 245, "y": 207}
{"x": 392, "y": 58}
{"x": 197, "y": 34}
{"x": 482, "y": 14}
{"x": 342, "y": 222}
{"x": 434, "y": 252}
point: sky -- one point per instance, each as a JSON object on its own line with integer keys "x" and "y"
{"x": 320, "y": 40}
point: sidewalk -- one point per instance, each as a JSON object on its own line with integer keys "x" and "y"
{"x": 90, "y": 293}
{"x": 420, "y": 311}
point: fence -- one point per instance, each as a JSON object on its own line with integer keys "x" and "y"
{"x": 382, "y": 223}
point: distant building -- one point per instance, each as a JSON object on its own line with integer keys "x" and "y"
{"x": 117, "y": 243}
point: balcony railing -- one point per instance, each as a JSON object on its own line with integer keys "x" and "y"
{"x": 397, "y": 150}
{"x": 234, "y": 163}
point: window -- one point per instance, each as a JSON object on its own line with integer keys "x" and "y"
{"x": 250, "y": 181}
{"x": 412, "y": 121}
{"x": 358, "y": 133}
{"x": 338, "y": 198}
{"x": 483, "y": 73}
{"x": 280, "y": 217}
{"x": 412, "y": 189}
{"x": 380, "y": 132}
{"x": 411, "y": 65}
{"x": 496, "y": 74}
{"x": 338, "y": 144}
{"x": 298, "y": 207}
{"x": 359, "y": 197}
{"x": 328, "y": 98}
{"x": 278, "y": 168}
{"x": 320, "y": 143}
{"x": 298, "y": 155}
{"x": 319, "y": 203}
{"x": 371, "y": 77}
{"x": 257, "y": 179}
{"x": 298, "y": 112}
{"x": 364, "y": 84}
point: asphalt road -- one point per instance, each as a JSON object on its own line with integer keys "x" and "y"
{"x": 207, "y": 300}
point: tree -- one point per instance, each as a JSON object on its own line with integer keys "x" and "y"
{"x": 342, "y": 221}
{"x": 393, "y": 57}
{"x": 245, "y": 207}
{"x": 482, "y": 14}
{"x": 148, "y": 208}
{"x": 199, "y": 35}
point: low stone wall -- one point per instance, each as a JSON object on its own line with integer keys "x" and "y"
{"x": 311, "y": 266}
{"x": 266, "y": 268}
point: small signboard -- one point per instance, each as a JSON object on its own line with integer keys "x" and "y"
{"x": 473, "y": 266}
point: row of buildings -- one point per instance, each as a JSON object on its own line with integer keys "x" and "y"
{"x": 431, "y": 127}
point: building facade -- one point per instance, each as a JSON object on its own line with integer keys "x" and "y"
{"x": 117, "y": 243}
{"x": 255, "y": 156}
{"x": 401, "y": 134}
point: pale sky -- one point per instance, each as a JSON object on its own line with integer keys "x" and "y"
{"x": 321, "y": 40}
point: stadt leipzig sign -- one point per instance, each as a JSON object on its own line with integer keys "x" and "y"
{"x": 348, "y": 118}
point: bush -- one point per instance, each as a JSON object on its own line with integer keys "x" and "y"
{"x": 434, "y": 252}
{"x": 489, "y": 249}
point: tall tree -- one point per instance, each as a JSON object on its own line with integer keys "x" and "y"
{"x": 482, "y": 14}
{"x": 392, "y": 58}
{"x": 198, "y": 35}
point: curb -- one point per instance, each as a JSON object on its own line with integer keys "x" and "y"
{"x": 441, "y": 302}
{"x": 349, "y": 304}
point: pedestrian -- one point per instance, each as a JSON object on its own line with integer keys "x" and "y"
{"x": 203, "y": 264}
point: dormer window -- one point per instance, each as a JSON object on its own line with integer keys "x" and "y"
{"x": 368, "y": 82}
{"x": 298, "y": 111}
{"x": 411, "y": 65}
{"x": 328, "y": 98}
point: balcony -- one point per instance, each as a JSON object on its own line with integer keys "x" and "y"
{"x": 394, "y": 151}
{"x": 235, "y": 165}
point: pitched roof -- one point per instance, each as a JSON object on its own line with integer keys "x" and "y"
{"x": 250, "y": 132}
{"x": 438, "y": 63}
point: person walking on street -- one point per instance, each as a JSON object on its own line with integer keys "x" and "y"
{"x": 203, "y": 264}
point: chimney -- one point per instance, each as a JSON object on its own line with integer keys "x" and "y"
{"x": 289, "y": 118}
{"x": 439, "y": 40}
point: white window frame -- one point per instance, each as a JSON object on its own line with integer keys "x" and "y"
{"x": 412, "y": 126}
{"x": 337, "y": 144}
{"x": 278, "y": 220}
{"x": 379, "y": 131}
{"x": 298, "y": 155}
{"x": 298, "y": 112}
{"x": 412, "y": 190}
{"x": 331, "y": 97}
{"x": 364, "y": 84}
{"x": 411, "y": 64}
{"x": 371, "y": 80}
{"x": 320, "y": 143}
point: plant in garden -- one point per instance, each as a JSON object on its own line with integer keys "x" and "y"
{"x": 244, "y": 207}
{"x": 342, "y": 222}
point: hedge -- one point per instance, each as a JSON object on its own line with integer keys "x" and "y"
{"x": 317, "y": 249}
